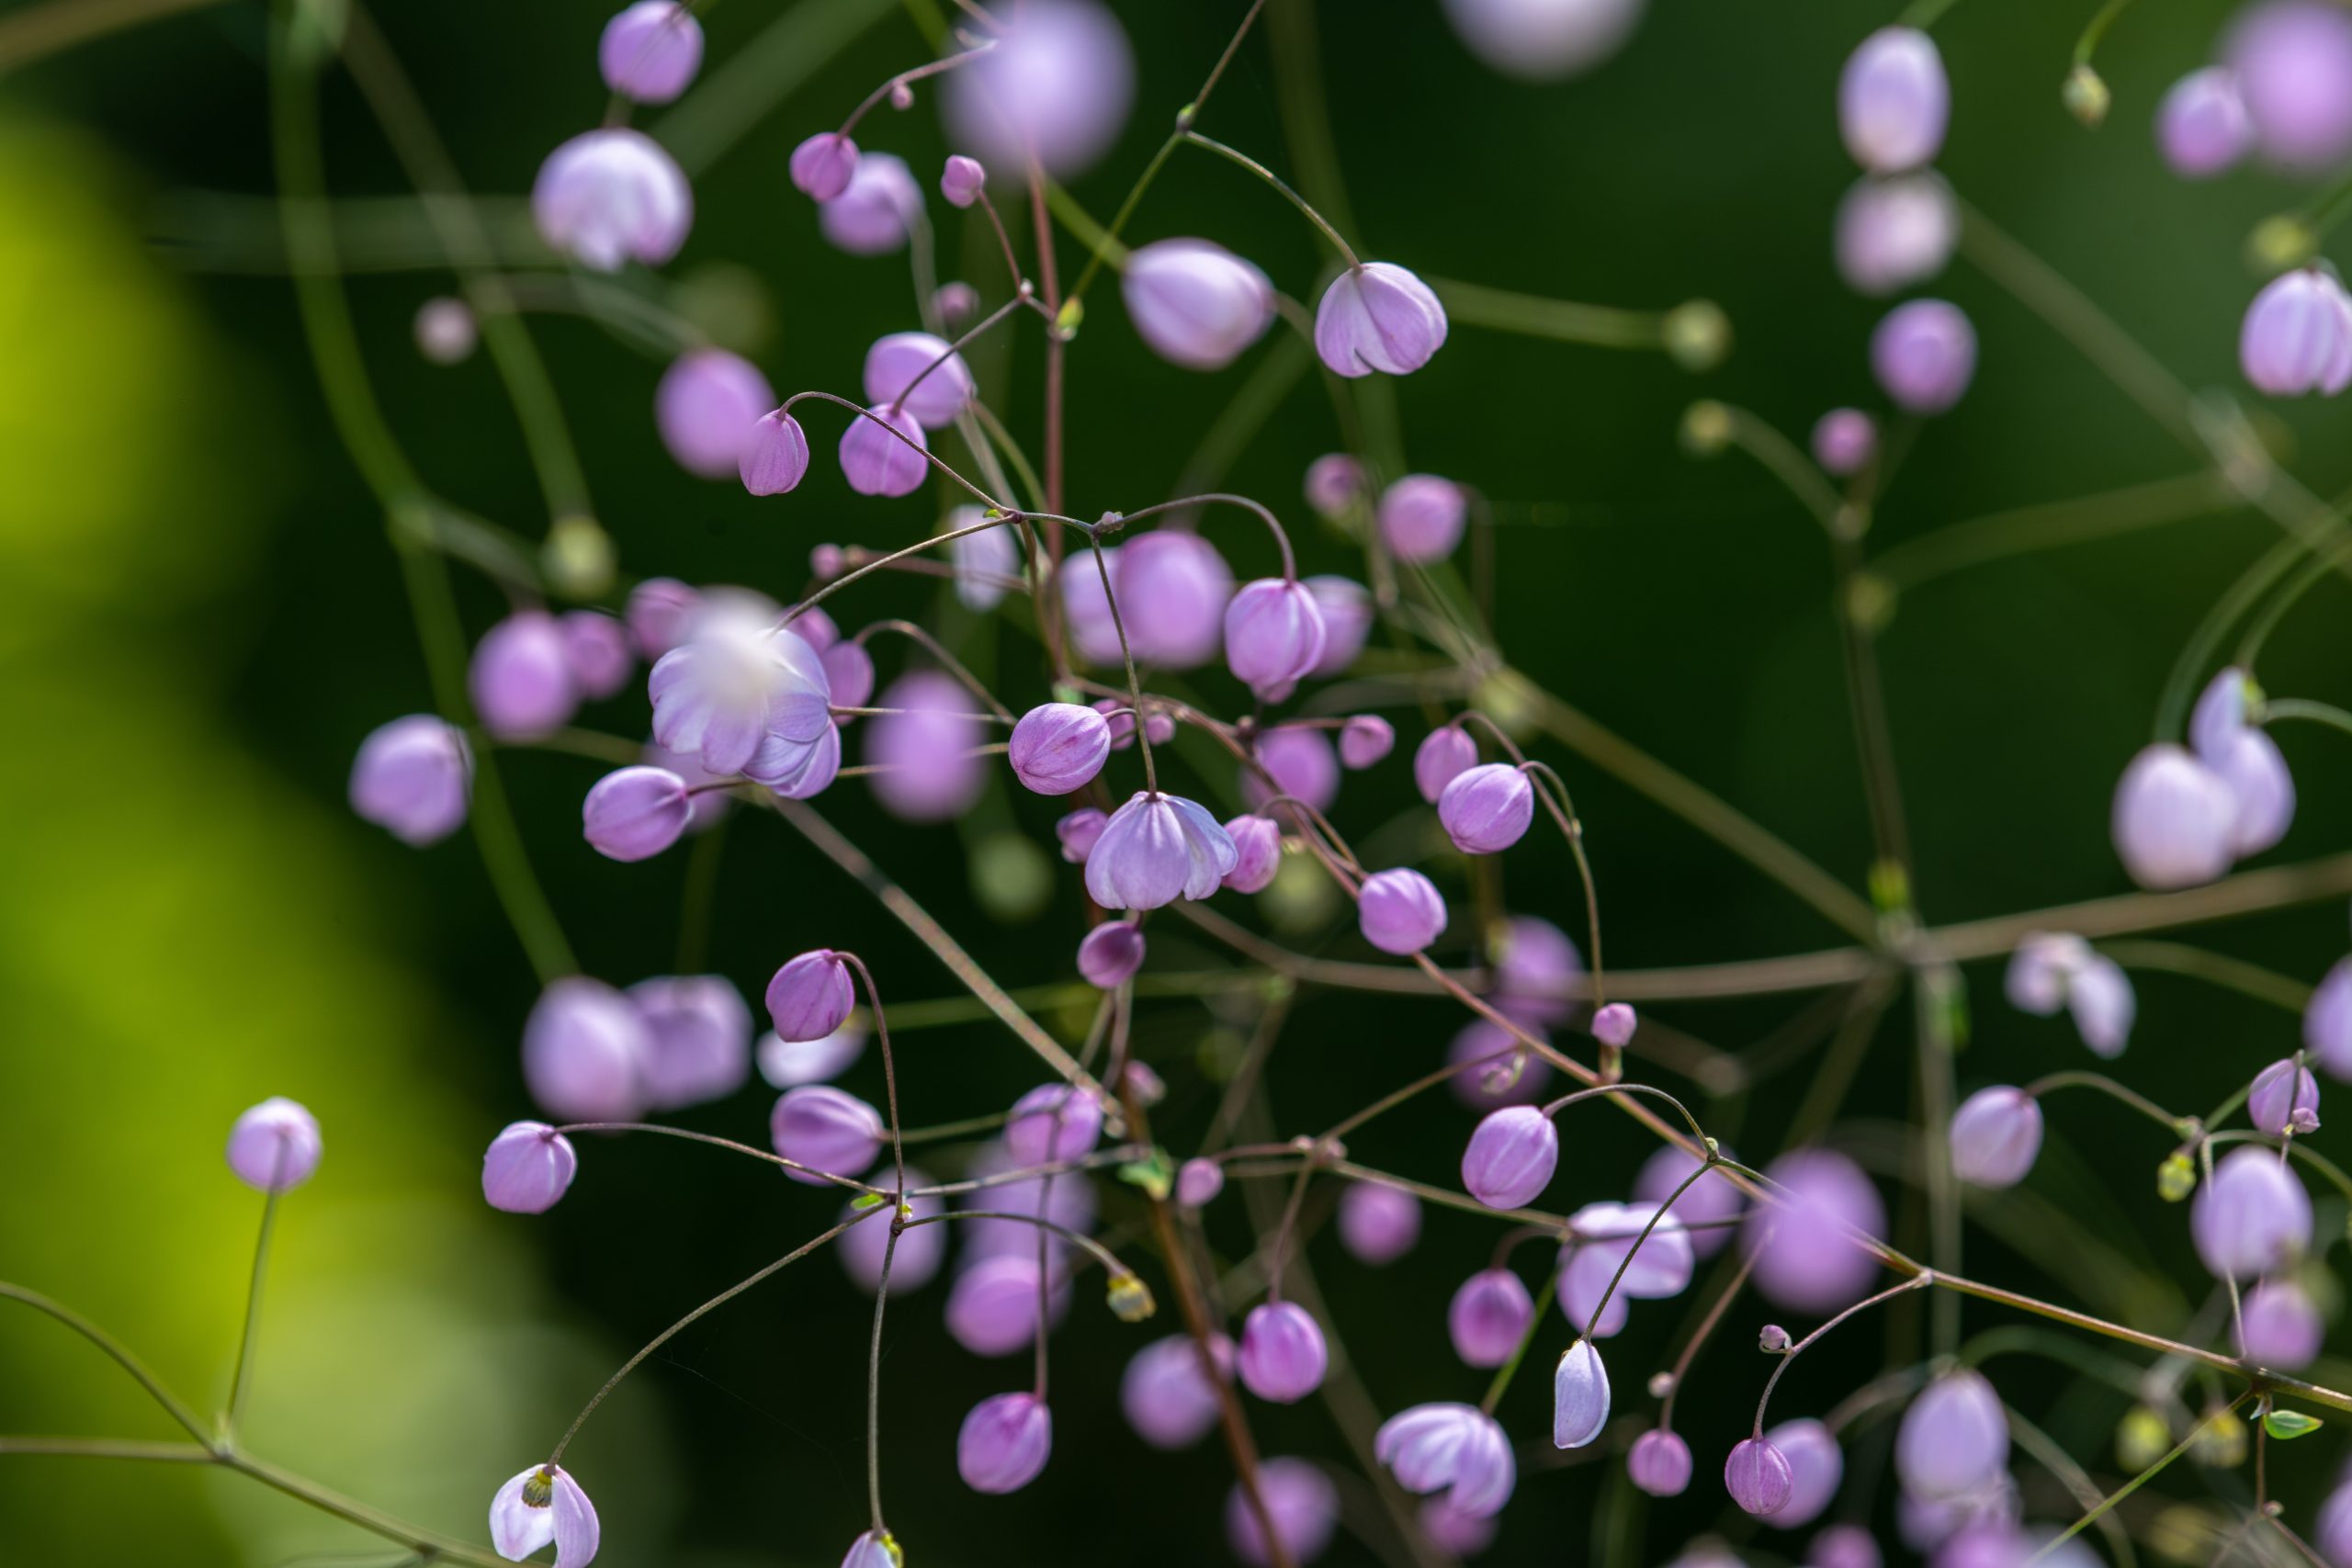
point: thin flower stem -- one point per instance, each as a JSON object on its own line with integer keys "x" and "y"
{"x": 1084, "y": 1243}
{"x": 1564, "y": 813}
{"x": 2000, "y": 536}
{"x": 903, "y": 79}
{"x": 1561, "y": 321}
{"x": 109, "y": 1448}
{"x": 2079, "y": 1078}
{"x": 1346, "y": 252}
{"x": 1188, "y": 502}
{"x": 241, "y": 1378}
{"x": 2236, "y": 974}
{"x": 2192, "y": 665}
{"x": 2257, "y": 631}
{"x": 1021, "y": 300}
{"x": 1289, "y": 1224}
{"x": 1126, "y": 654}
{"x": 1592, "y": 1319}
{"x": 2088, "y": 45}
{"x": 2306, "y": 709}
{"x": 889, "y": 1067}
{"x": 119, "y": 1353}
{"x": 1699, "y": 1336}
{"x": 873, "y": 1382}
{"x": 2120, "y": 1493}
{"x": 1697, "y": 1132}
{"x": 38, "y": 31}
{"x": 1004, "y": 243}
{"x": 737, "y": 92}
{"x": 728, "y": 1144}
{"x": 929, "y": 456}
{"x": 1920, "y": 1280}
{"x": 938, "y": 650}
{"x": 1509, "y": 1369}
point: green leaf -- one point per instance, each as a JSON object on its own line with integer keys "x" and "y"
{"x": 868, "y": 1200}
{"x": 2287, "y": 1425}
{"x": 1156, "y": 1176}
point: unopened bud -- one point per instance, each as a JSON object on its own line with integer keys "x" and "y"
{"x": 2085, "y": 96}
{"x": 2220, "y": 1442}
{"x": 1661, "y": 1384}
{"x": 1706, "y": 428}
{"x": 1697, "y": 334}
{"x": 1130, "y": 1298}
{"x": 903, "y": 97}
{"x": 1773, "y": 1340}
{"x": 2176, "y": 1179}
{"x": 578, "y": 558}
{"x": 2140, "y": 1437}
{"x": 2279, "y": 243}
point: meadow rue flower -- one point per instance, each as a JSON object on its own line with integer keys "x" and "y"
{"x": 1534, "y": 966}
{"x": 1585, "y": 1301}
{"x": 584, "y": 1051}
{"x": 528, "y": 1167}
{"x": 1450, "y": 1531}
{"x": 1816, "y": 1468}
{"x": 543, "y": 1504}
{"x": 981, "y": 560}
{"x": 633, "y": 814}
{"x": 1077, "y": 833}
{"x": 798, "y": 769}
{"x": 2293, "y": 63}
{"x": 826, "y": 1129}
{"x": 1004, "y": 1442}
{"x": 1051, "y": 1122}
{"x": 413, "y": 777}
{"x": 1954, "y": 1441}
{"x": 1257, "y": 852}
{"x": 810, "y": 996}
{"x": 1173, "y": 588}
{"x": 1660, "y": 1463}
{"x": 1996, "y": 1135}
{"x": 1612, "y": 1234}
{"x": 1110, "y": 954}
{"x": 1378, "y": 1224}
{"x": 1058, "y": 85}
{"x": 1543, "y": 40}
{"x": 1273, "y": 636}
{"x": 1487, "y": 809}
{"x": 1399, "y": 910}
{"x": 1195, "y": 304}
{"x": 597, "y": 647}
{"x": 1756, "y": 1475}
{"x": 2054, "y": 969}
{"x": 1303, "y": 764}
{"x": 2282, "y": 1327}
{"x": 1710, "y": 1201}
{"x": 737, "y": 681}
{"x": 1304, "y": 1505}
{"x": 651, "y": 51}
{"x": 849, "y": 671}
{"x": 1164, "y": 1394}
{"x": 1614, "y": 1025}
{"x": 1377, "y": 316}
{"x": 1923, "y": 353}
{"x": 874, "y": 213}
{"x": 786, "y": 1064}
{"x": 1058, "y": 747}
{"x": 822, "y": 164}
{"x": 1892, "y": 234}
{"x": 520, "y": 678}
{"x": 775, "y": 455}
{"x": 1282, "y": 1356}
{"x": 1346, "y": 621}
{"x": 1579, "y": 1396}
{"x": 1156, "y": 849}
{"x": 2333, "y": 1530}
{"x": 927, "y": 751}
{"x": 1198, "y": 1181}
{"x": 1510, "y": 1157}
{"x": 2173, "y": 820}
{"x": 1421, "y": 517}
{"x": 445, "y": 330}
{"x": 1509, "y": 1074}
{"x": 2297, "y": 335}
{"x": 870, "y": 1551}
{"x": 1487, "y": 1318}
{"x": 1444, "y": 754}
{"x": 1804, "y": 1257}
{"x": 660, "y": 611}
{"x": 1894, "y": 101}
{"x": 699, "y": 1036}
{"x": 1365, "y": 739}
{"x": 2254, "y": 1217}
{"x": 610, "y": 196}
{"x": 1844, "y": 442}
{"x": 273, "y": 1146}
{"x": 1455, "y": 1449}
{"x": 2285, "y": 1096}
{"x": 1334, "y": 483}
{"x": 2328, "y": 1023}
{"x": 962, "y": 180}
{"x": 2203, "y": 127}
{"x": 877, "y": 462}
{"x": 919, "y": 373}
{"x": 921, "y": 1248}
{"x": 2247, "y": 760}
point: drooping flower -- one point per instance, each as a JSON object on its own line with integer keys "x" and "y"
{"x": 650, "y": 51}
{"x": 787, "y": 1063}
{"x": 1004, "y": 1442}
{"x": 1346, "y": 621}
{"x": 735, "y": 682}
{"x": 1172, "y": 587}
{"x": 1924, "y": 354}
{"x": 1399, "y": 910}
{"x": 1304, "y": 1505}
{"x": 698, "y": 1039}
{"x": 608, "y": 197}
{"x": 528, "y": 1167}
{"x": 1660, "y": 1463}
{"x": 1165, "y": 1395}
{"x": 825, "y": 1129}
{"x": 1422, "y": 518}
{"x": 2054, "y": 969}
{"x": 520, "y": 678}
{"x": 871, "y": 1551}
{"x": 2293, "y": 63}
{"x": 2297, "y": 335}
{"x": 2246, "y": 757}
{"x": 1378, "y": 1224}
{"x": 633, "y": 814}
{"x": 1056, "y": 85}
{"x": 274, "y": 1147}
{"x": 1579, "y": 1396}
{"x": 920, "y": 373}
{"x": 2173, "y": 820}
{"x": 2285, "y": 1096}
{"x": 1586, "y": 1299}
{"x": 1757, "y": 1476}
{"x": 2328, "y": 1023}
{"x": 810, "y": 996}
{"x": 414, "y": 778}
{"x": 2252, "y": 1218}
{"x": 543, "y": 1504}
{"x": 1302, "y": 763}
{"x": 1892, "y": 233}
{"x": 1844, "y": 441}
{"x": 1894, "y": 101}
{"x": 1487, "y": 1318}
{"x": 1058, "y": 747}
{"x": 1510, "y": 1157}
{"x": 877, "y": 462}
{"x": 1805, "y": 1254}
{"x": 1487, "y": 809}
{"x": 1365, "y": 739}
{"x": 1377, "y": 316}
{"x": 821, "y": 165}
{"x": 2282, "y": 1327}
{"x": 1282, "y": 1354}
{"x": 2203, "y": 127}
{"x": 1816, "y": 1468}
{"x": 1614, "y": 1024}
{"x": 1703, "y": 1208}
{"x": 876, "y": 211}
{"x": 1444, "y": 754}
{"x": 1543, "y": 40}
{"x": 1954, "y": 1441}
{"x": 1996, "y": 1136}
{"x": 1257, "y": 852}
{"x": 1273, "y": 636}
{"x": 1611, "y": 1236}
{"x": 774, "y": 457}
{"x": 1156, "y": 849}
{"x": 584, "y": 1051}
{"x": 1455, "y": 1449}
{"x": 1110, "y": 954}
{"x": 1052, "y": 1122}
{"x": 1195, "y": 303}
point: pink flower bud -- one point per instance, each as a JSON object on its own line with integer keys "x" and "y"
{"x": 917, "y": 371}
{"x": 962, "y": 180}
{"x": 1303, "y": 764}
{"x": 1056, "y": 86}
{"x": 1487, "y": 809}
{"x": 2203, "y": 127}
{"x": 1365, "y": 739}
{"x": 1058, "y": 747}
{"x": 1954, "y": 1440}
{"x": 870, "y": 1551}
{"x": 2328, "y": 1023}
{"x": 877, "y": 462}
{"x": 1443, "y": 754}
{"x": 1924, "y": 354}
{"x": 874, "y": 212}
{"x": 413, "y": 777}
{"x": 1996, "y": 1136}
{"x": 520, "y": 678}
{"x": 1510, "y": 1158}
{"x": 1346, "y": 621}
{"x": 2297, "y": 335}
{"x": 1379, "y": 317}
{"x": 658, "y": 613}
{"x": 849, "y": 671}
{"x": 1893, "y": 102}
{"x": 1273, "y": 636}
{"x": 1543, "y": 40}
{"x": 1488, "y": 1317}
{"x": 1282, "y": 1356}
{"x": 610, "y": 196}
{"x": 825, "y": 1129}
{"x": 275, "y": 1145}
{"x": 1378, "y": 1224}
{"x": 1896, "y": 232}
{"x": 1757, "y": 1476}
{"x": 1660, "y": 1463}
{"x": 1613, "y": 1025}
{"x": 596, "y": 646}
{"x": 1110, "y": 954}
{"x": 1052, "y": 1122}
{"x": 810, "y": 996}
{"x": 708, "y": 408}
{"x": 957, "y": 303}
{"x": 651, "y": 51}
{"x": 993, "y": 1310}
{"x": 584, "y": 1048}
{"x": 528, "y": 1167}
{"x": 1579, "y": 1396}
{"x": 1422, "y": 518}
{"x": 1805, "y": 1255}
{"x": 2294, "y": 63}
{"x": 1256, "y": 853}
{"x": 1399, "y": 911}
{"x": 700, "y": 1039}
{"x": 788, "y": 1063}
{"x": 2285, "y": 1097}
{"x": 2173, "y": 820}
{"x": 635, "y": 813}
{"x": 1004, "y": 1442}
{"x": 1842, "y": 1546}
{"x": 1816, "y": 1468}
{"x": 1171, "y": 587}
{"x": 1077, "y": 832}
{"x": 822, "y": 166}
{"x": 774, "y": 456}
{"x": 2283, "y": 1329}
{"x": 1195, "y": 304}
{"x": 2252, "y": 1218}
{"x": 1305, "y": 1506}
{"x": 1198, "y": 1181}
{"x": 1166, "y": 1397}
{"x": 1845, "y": 441}
{"x": 1334, "y": 483}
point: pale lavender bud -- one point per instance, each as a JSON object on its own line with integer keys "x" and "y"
{"x": 1816, "y": 1468}
{"x": 1378, "y": 1224}
{"x": 1579, "y": 1396}
{"x": 825, "y": 1129}
{"x": 1156, "y": 849}
{"x": 955, "y": 303}
{"x": 870, "y": 1551}
{"x": 1894, "y": 101}
{"x": 2328, "y": 1023}
{"x": 1510, "y": 1157}
{"x": 962, "y": 180}
{"x": 635, "y": 813}
{"x": 1452, "y": 1530}
{"x": 1067, "y": 1199}
{"x": 2173, "y": 820}
{"x": 2203, "y": 127}
{"x": 1488, "y": 1317}
{"x": 1923, "y": 353}
{"x": 1110, "y": 954}
{"x": 2252, "y": 1218}
{"x": 877, "y": 462}
{"x": 1379, "y": 317}
{"x": 927, "y": 750}
{"x": 1282, "y": 1355}
{"x": 1487, "y": 809}
{"x": 1757, "y": 1476}
{"x": 874, "y": 212}
{"x": 2251, "y": 764}
{"x": 1614, "y": 1025}
{"x": 1078, "y": 831}
{"x": 1004, "y": 1442}
{"x": 445, "y": 330}
{"x": 1584, "y": 1296}
{"x": 1399, "y": 910}
{"x": 1954, "y": 1441}
{"x": 651, "y": 51}
{"x": 1996, "y": 1136}
{"x": 1052, "y": 1122}
{"x": 274, "y": 1147}
{"x": 1892, "y": 233}
{"x": 849, "y": 671}
{"x": 1172, "y": 587}
{"x": 902, "y": 97}
{"x": 659, "y": 609}
{"x": 893, "y": 366}
{"x": 2282, "y": 1327}
{"x": 1166, "y": 1397}
{"x": 775, "y": 456}
{"x": 2043, "y": 969}
{"x": 2293, "y": 61}
{"x": 1058, "y": 747}
{"x": 1510, "y": 1075}
{"x": 980, "y": 560}
{"x": 1804, "y": 1257}
{"x": 1305, "y": 1506}
{"x": 527, "y": 1168}
{"x": 543, "y": 1504}
{"x": 1421, "y": 517}
{"x": 1303, "y": 764}
{"x": 1543, "y": 40}
{"x": 1257, "y": 852}
{"x": 1273, "y": 636}
{"x": 1056, "y": 85}
{"x": 1455, "y": 1449}
{"x": 700, "y": 1039}
{"x": 1365, "y": 739}
{"x": 810, "y": 996}
{"x": 1842, "y": 1546}
{"x": 1535, "y": 965}
{"x": 520, "y": 678}
{"x": 920, "y": 1251}
{"x": 1443, "y": 755}
{"x": 708, "y": 408}
{"x": 1844, "y": 441}
{"x": 413, "y": 778}
{"x": 596, "y": 646}
{"x": 822, "y": 166}
{"x": 610, "y": 196}
{"x": 1335, "y": 482}
{"x": 1198, "y": 1181}
{"x": 2284, "y": 1098}
{"x": 1772, "y": 1339}
{"x": 1660, "y": 1463}
{"x": 1611, "y": 1236}
{"x": 787, "y": 1063}
{"x": 1194, "y": 303}
{"x": 2297, "y": 335}
{"x": 1710, "y": 1200}
{"x": 2104, "y": 1006}
{"x": 1346, "y": 621}
{"x": 2333, "y": 1528}
{"x": 585, "y": 1049}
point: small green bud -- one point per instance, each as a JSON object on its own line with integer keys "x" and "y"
{"x": 2220, "y": 1442}
{"x": 1065, "y": 320}
{"x": 1706, "y": 428}
{"x": 2085, "y": 96}
{"x": 577, "y": 557}
{"x": 1869, "y": 601}
{"x": 2176, "y": 1179}
{"x": 1131, "y": 1299}
{"x": 2279, "y": 243}
{"x": 2140, "y": 1437}
{"x": 1697, "y": 334}
{"x": 867, "y": 1200}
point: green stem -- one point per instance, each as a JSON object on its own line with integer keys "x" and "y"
{"x": 2236, "y": 974}
{"x": 2002, "y": 534}
{"x": 1561, "y": 321}
{"x": 2076, "y": 1079}
{"x": 240, "y": 1379}
{"x": 1518, "y": 1353}
{"x": 2138, "y": 1481}
{"x": 2304, "y": 709}
{"x": 1346, "y": 252}
{"x": 2088, "y": 45}
{"x": 118, "y": 1352}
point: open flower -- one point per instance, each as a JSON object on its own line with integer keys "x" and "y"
{"x": 1455, "y": 1449}
{"x": 1377, "y": 316}
{"x": 610, "y": 196}
{"x": 543, "y": 1504}
{"x": 1156, "y": 849}
{"x": 737, "y": 680}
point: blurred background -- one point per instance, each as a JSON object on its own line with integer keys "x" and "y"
{"x": 203, "y": 617}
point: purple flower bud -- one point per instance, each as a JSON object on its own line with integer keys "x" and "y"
{"x": 1894, "y": 233}
{"x": 1842, "y": 1546}
{"x": 700, "y": 1036}
{"x": 596, "y": 646}
{"x": 2328, "y": 1023}
{"x": 893, "y": 366}
{"x": 1443, "y": 754}
{"x": 521, "y": 677}
{"x": 1510, "y": 1157}
{"x": 1535, "y": 965}
{"x": 1172, "y": 587}
{"x": 1303, "y": 764}
{"x": 2333, "y": 1528}
{"x": 1078, "y": 831}
{"x": 660, "y": 609}
{"x": 1257, "y": 852}
{"x": 1378, "y": 1224}
{"x": 1110, "y": 954}
{"x": 543, "y": 1504}
{"x": 709, "y": 409}
{"x": 1509, "y": 1075}
{"x": 1421, "y": 517}
{"x": 775, "y": 456}
{"x": 1845, "y": 441}
{"x": 1487, "y": 809}
{"x": 1058, "y": 747}
{"x": 1710, "y": 1200}
{"x": 874, "y": 212}
{"x": 1305, "y": 1506}
{"x": 1954, "y": 1441}
{"x": 825, "y": 1129}
{"x": 992, "y": 1311}
{"x": 1487, "y": 1318}
{"x": 2283, "y": 1330}
{"x": 2252, "y": 1218}
{"x": 635, "y": 813}
{"x": 651, "y": 51}
{"x": 1660, "y": 1463}
{"x": 1455, "y": 1449}
{"x": 1334, "y": 483}
{"x": 2293, "y": 61}
{"x": 921, "y": 1249}
{"x": 1450, "y": 1530}
{"x": 1157, "y": 849}
{"x": 822, "y": 166}
{"x": 876, "y": 462}
{"x": 1273, "y": 636}
{"x": 2297, "y": 335}
{"x": 1378, "y": 317}
{"x": 1543, "y": 40}
{"x": 1282, "y": 1356}
{"x": 1167, "y": 1399}
{"x": 1365, "y": 739}
{"x": 1004, "y": 1442}
{"x": 1579, "y": 1396}
{"x": 1996, "y": 1135}
{"x": 608, "y": 197}
{"x": 1613, "y": 1025}
{"x": 445, "y": 330}
{"x": 1757, "y": 1476}
{"x": 273, "y": 1146}
{"x": 928, "y": 751}
{"x": 962, "y": 180}
{"x": 2173, "y": 820}
{"x": 2284, "y": 1098}
{"x": 810, "y": 996}
{"x": 849, "y": 671}
{"x": 1198, "y": 1181}
{"x": 787, "y": 1063}
{"x": 1923, "y": 353}
{"x": 1346, "y": 621}
{"x": 528, "y": 1167}
{"x": 2203, "y": 127}
{"x": 1893, "y": 103}
{"x": 1056, "y": 86}
{"x": 583, "y": 1053}
{"x": 869, "y": 1550}
{"x": 1816, "y": 1468}
{"x": 1805, "y": 1257}
{"x": 1610, "y": 1232}
{"x": 1584, "y": 1296}
{"x": 1399, "y": 910}
{"x": 1196, "y": 304}
{"x": 1052, "y": 1122}
{"x": 413, "y": 777}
